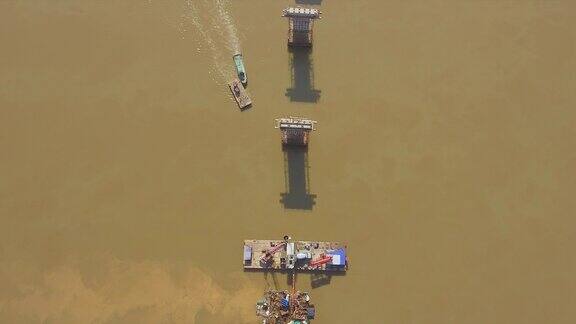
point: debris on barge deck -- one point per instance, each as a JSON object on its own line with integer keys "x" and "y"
{"x": 295, "y": 255}
{"x": 240, "y": 94}
{"x": 282, "y": 307}
{"x": 295, "y": 130}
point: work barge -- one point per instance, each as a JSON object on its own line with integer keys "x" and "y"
{"x": 294, "y": 307}
{"x": 288, "y": 255}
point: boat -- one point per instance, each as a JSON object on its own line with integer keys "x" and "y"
{"x": 240, "y": 70}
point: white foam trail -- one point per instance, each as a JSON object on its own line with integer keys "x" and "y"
{"x": 215, "y": 33}
{"x": 233, "y": 42}
{"x": 192, "y": 14}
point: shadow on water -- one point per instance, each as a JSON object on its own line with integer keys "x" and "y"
{"x": 317, "y": 279}
{"x": 290, "y": 279}
{"x": 297, "y": 179}
{"x": 272, "y": 275}
{"x": 320, "y": 279}
{"x": 302, "y": 72}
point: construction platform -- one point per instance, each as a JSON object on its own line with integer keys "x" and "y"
{"x": 295, "y": 255}
{"x": 282, "y": 307}
{"x": 300, "y": 25}
{"x": 295, "y": 130}
{"x": 240, "y": 94}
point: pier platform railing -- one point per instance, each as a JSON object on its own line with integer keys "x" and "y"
{"x": 295, "y": 123}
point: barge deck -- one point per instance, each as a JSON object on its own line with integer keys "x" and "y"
{"x": 295, "y": 255}
{"x": 240, "y": 94}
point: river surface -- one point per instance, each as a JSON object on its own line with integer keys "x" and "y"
{"x": 444, "y": 156}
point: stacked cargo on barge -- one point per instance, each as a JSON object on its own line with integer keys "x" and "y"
{"x": 240, "y": 95}
{"x": 282, "y": 307}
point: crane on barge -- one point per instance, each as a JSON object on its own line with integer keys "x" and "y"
{"x": 323, "y": 260}
{"x": 269, "y": 254}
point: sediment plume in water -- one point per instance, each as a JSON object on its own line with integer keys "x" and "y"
{"x": 123, "y": 291}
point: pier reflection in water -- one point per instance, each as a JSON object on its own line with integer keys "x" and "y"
{"x": 297, "y": 179}
{"x": 302, "y": 74}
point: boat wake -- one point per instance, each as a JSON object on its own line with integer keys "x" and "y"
{"x": 191, "y": 15}
{"x": 210, "y": 25}
{"x": 224, "y": 18}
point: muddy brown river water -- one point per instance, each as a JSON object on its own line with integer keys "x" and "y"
{"x": 444, "y": 157}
